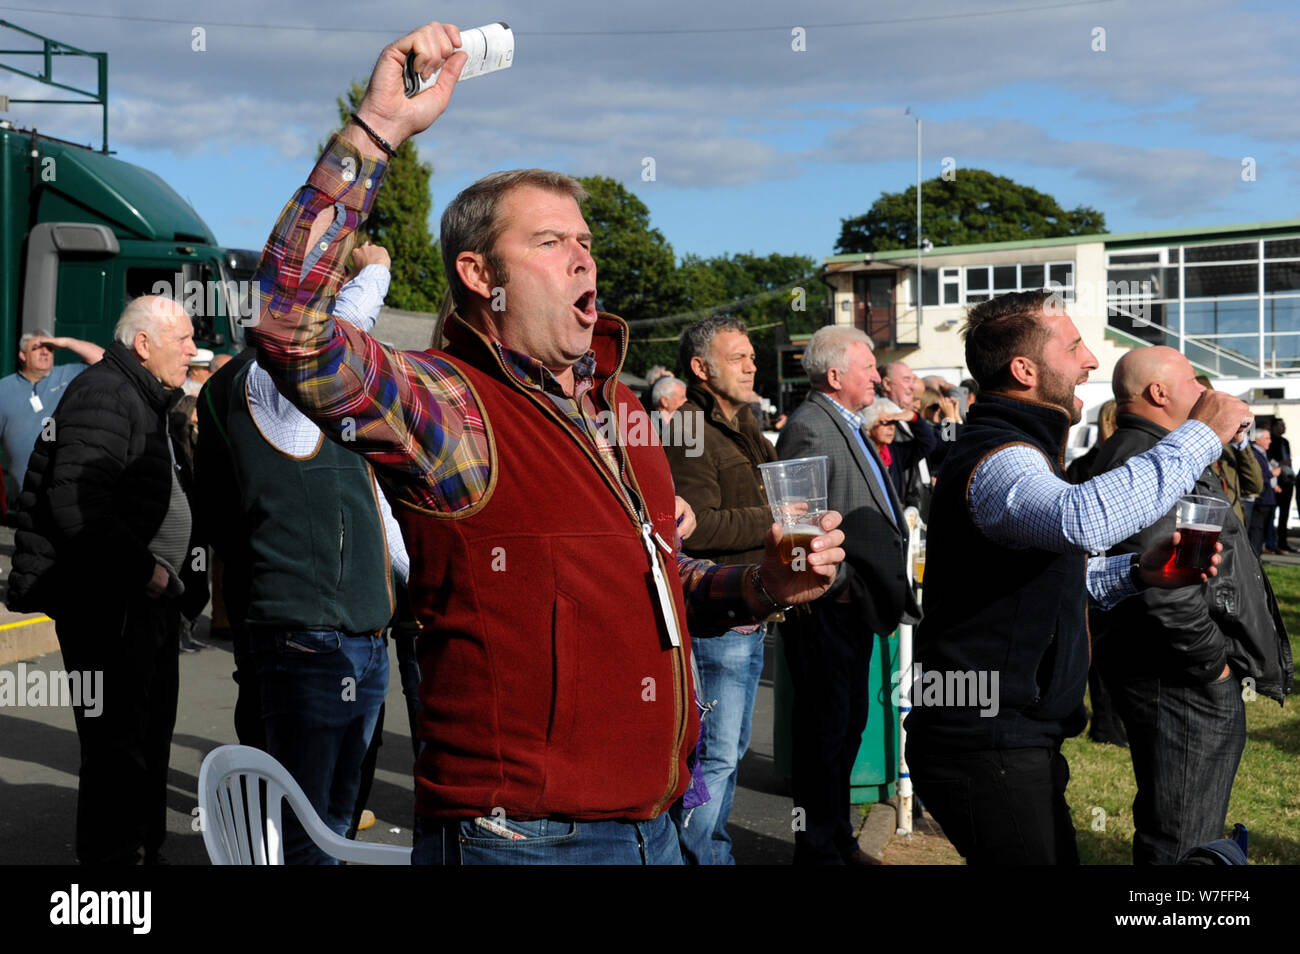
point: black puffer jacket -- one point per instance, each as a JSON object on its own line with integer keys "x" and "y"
{"x": 1188, "y": 634}
{"x": 97, "y": 492}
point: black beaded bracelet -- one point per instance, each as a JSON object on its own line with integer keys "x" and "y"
{"x": 757, "y": 579}
{"x": 380, "y": 141}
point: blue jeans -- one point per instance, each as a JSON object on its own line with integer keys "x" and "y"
{"x": 321, "y": 691}
{"x": 1186, "y": 743}
{"x": 730, "y": 666}
{"x": 497, "y": 840}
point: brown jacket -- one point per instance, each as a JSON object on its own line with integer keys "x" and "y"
{"x": 722, "y": 482}
{"x": 1239, "y": 472}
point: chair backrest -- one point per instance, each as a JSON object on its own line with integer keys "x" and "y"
{"x": 241, "y": 790}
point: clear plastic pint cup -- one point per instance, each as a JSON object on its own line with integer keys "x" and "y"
{"x": 796, "y": 492}
{"x": 1200, "y": 521}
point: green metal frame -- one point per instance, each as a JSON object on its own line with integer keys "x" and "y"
{"x": 51, "y": 48}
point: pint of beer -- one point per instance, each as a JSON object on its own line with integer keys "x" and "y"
{"x": 796, "y": 493}
{"x": 1200, "y": 521}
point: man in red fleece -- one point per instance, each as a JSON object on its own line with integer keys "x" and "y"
{"x": 536, "y": 504}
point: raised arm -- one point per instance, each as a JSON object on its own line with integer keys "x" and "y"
{"x": 1017, "y": 501}
{"x": 87, "y": 351}
{"x": 403, "y": 411}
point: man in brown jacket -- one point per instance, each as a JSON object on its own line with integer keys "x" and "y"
{"x": 718, "y": 476}
{"x": 1237, "y": 469}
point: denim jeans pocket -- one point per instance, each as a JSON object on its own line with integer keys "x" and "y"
{"x": 308, "y": 642}
{"x": 493, "y": 834}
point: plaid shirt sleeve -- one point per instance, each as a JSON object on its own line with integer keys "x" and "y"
{"x": 409, "y": 413}
{"x": 1017, "y": 501}
{"x": 715, "y": 596}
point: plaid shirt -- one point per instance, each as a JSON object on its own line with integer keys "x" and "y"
{"x": 411, "y": 414}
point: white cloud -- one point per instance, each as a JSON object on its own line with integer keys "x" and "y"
{"x": 731, "y": 109}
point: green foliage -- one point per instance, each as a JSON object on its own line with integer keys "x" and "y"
{"x": 776, "y": 295}
{"x": 399, "y": 222}
{"x": 974, "y": 207}
{"x": 639, "y": 280}
{"x": 636, "y": 268}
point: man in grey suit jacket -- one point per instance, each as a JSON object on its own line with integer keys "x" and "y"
{"x": 828, "y": 646}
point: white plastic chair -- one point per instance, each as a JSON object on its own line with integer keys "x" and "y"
{"x": 238, "y": 829}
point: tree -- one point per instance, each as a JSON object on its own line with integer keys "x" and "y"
{"x": 638, "y": 278}
{"x": 636, "y": 267}
{"x": 975, "y": 206}
{"x": 399, "y": 221}
{"x": 775, "y": 295}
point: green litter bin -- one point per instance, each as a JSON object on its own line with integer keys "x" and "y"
{"x": 875, "y": 772}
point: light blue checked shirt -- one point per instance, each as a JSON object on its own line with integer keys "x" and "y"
{"x": 292, "y": 433}
{"x": 1016, "y": 501}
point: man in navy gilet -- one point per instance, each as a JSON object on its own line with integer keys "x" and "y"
{"x": 1003, "y": 645}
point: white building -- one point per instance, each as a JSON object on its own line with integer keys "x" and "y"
{"x": 1227, "y": 297}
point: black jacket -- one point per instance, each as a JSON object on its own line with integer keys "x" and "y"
{"x": 914, "y": 441}
{"x": 1014, "y": 613}
{"x": 96, "y": 493}
{"x": 1188, "y": 634}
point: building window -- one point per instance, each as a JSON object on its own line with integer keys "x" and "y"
{"x": 970, "y": 284}
{"x": 1215, "y": 317}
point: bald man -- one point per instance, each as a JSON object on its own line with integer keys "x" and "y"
{"x": 1175, "y": 660}
{"x": 104, "y": 546}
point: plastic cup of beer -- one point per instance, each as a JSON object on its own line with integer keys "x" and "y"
{"x": 918, "y": 564}
{"x": 796, "y": 492}
{"x": 1200, "y": 521}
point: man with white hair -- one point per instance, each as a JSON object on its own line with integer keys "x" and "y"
{"x": 103, "y": 546}
{"x": 829, "y": 646}
{"x": 667, "y": 394}
{"x": 29, "y": 396}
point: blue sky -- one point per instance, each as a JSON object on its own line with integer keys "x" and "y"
{"x": 758, "y": 147}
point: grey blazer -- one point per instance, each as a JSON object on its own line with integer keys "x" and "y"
{"x": 875, "y": 539}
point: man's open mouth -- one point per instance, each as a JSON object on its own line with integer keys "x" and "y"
{"x": 586, "y": 304}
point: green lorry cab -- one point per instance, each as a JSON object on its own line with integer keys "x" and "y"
{"x": 82, "y": 233}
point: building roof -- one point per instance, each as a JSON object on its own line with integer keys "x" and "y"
{"x": 1185, "y": 236}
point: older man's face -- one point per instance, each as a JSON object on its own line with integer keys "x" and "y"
{"x": 165, "y": 350}
{"x": 670, "y": 402}
{"x": 900, "y": 385}
{"x": 858, "y": 378}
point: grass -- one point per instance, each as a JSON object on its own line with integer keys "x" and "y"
{"x": 1265, "y": 796}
